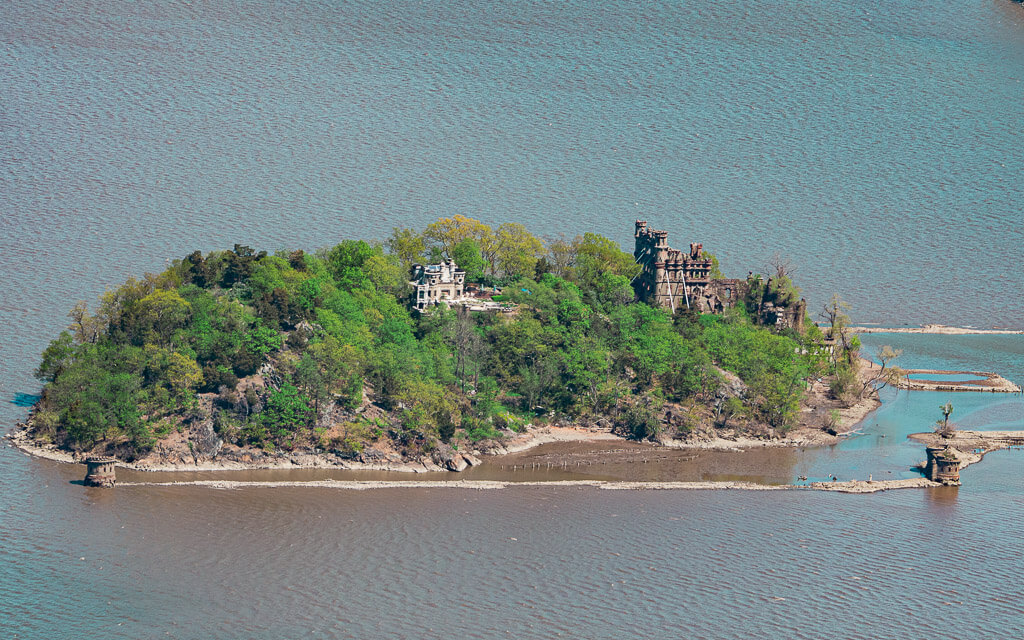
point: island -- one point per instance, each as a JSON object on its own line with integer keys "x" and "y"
{"x": 436, "y": 347}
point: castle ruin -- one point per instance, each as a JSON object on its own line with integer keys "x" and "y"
{"x": 675, "y": 280}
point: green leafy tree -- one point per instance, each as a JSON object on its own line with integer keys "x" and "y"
{"x": 516, "y": 250}
{"x": 345, "y": 263}
{"x": 56, "y": 357}
{"x": 640, "y": 421}
{"x": 183, "y": 374}
{"x": 447, "y": 233}
{"x": 386, "y": 275}
{"x": 467, "y": 255}
{"x": 288, "y": 410}
{"x": 407, "y": 246}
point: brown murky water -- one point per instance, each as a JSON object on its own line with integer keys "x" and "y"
{"x": 603, "y": 460}
{"x": 198, "y": 562}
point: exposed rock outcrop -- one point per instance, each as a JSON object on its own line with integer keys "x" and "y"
{"x": 205, "y": 442}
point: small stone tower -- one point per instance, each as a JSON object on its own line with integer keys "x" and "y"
{"x": 943, "y": 465}
{"x": 100, "y": 472}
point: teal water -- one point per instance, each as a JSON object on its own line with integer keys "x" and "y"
{"x": 880, "y": 449}
{"x": 877, "y": 144}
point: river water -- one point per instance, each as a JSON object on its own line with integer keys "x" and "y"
{"x": 877, "y": 144}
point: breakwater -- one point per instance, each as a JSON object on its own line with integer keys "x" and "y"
{"x": 932, "y": 380}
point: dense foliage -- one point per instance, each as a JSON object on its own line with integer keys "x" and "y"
{"x": 287, "y": 349}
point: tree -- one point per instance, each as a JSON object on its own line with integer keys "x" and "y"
{"x": 56, "y": 357}
{"x": 613, "y": 290}
{"x": 943, "y": 427}
{"x": 586, "y": 364}
{"x": 779, "y": 394}
{"x": 537, "y": 380}
{"x": 260, "y": 341}
{"x": 386, "y": 275}
{"x": 716, "y": 272}
{"x": 159, "y": 314}
{"x": 328, "y": 367}
{"x": 297, "y": 260}
{"x": 425, "y": 406}
{"x": 467, "y": 255}
{"x": 884, "y": 375}
{"x": 183, "y": 374}
{"x": 448, "y": 232}
{"x": 287, "y": 410}
{"x": 843, "y": 384}
{"x": 345, "y": 261}
{"x": 516, "y": 250}
{"x": 240, "y": 263}
{"x": 279, "y": 309}
{"x": 562, "y": 256}
{"x": 836, "y": 314}
{"x": 86, "y": 328}
{"x": 729, "y": 408}
{"x": 780, "y": 267}
{"x": 195, "y": 270}
{"x": 310, "y": 378}
{"x": 640, "y": 421}
{"x": 406, "y": 245}
{"x": 604, "y": 272}
{"x": 605, "y": 256}
{"x": 469, "y": 348}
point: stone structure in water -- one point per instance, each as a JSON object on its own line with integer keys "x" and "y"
{"x": 676, "y": 280}
{"x": 100, "y": 472}
{"x": 943, "y": 465}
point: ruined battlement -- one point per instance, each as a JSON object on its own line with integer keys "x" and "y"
{"x": 674, "y": 279}
{"x": 100, "y": 472}
{"x": 943, "y": 465}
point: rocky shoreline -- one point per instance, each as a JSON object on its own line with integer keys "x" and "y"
{"x": 245, "y": 459}
{"x": 199, "y": 449}
{"x": 195, "y": 446}
{"x": 20, "y": 439}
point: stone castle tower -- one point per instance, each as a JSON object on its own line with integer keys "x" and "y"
{"x": 675, "y": 280}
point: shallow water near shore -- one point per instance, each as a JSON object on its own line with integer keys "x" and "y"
{"x": 533, "y": 561}
{"x": 878, "y": 144}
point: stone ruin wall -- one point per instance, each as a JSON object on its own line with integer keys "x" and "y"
{"x": 676, "y": 280}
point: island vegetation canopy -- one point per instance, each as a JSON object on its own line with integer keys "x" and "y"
{"x": 321, "y": 351}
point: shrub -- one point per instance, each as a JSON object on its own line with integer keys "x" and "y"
{"x": 640, "y": 422}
